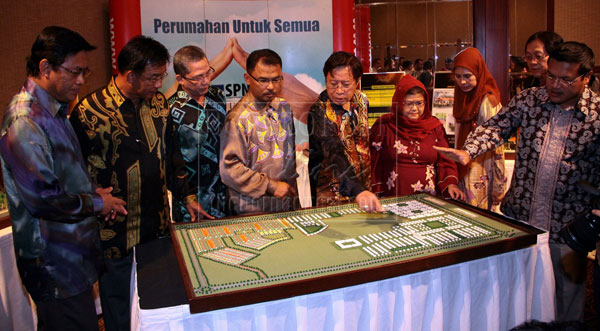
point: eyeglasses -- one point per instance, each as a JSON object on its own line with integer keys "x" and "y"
{"x": 78, "y": 71}
{"x": 344, "y": 85}
{"x": 202, "y": 77}
{"x": 264, "y": 82}
{"x": 537, "y": 57}
{"x": 419, "y": 104}
{"x": 155, "y": 78}
{"x": 561, "y": 81}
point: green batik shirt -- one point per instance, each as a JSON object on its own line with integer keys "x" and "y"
{"x": 135, "y": 152}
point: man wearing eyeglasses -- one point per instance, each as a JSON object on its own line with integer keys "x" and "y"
{"x": 198, "y": 111}
{"x": 258, "y": 157}
{"x": 338, "y": 127}
{"x": 559, "y": 144}
{"x": 129, "y": 142}
{"x": 52, "y": 201}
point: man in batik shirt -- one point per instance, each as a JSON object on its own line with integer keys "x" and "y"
{"x": 338, "y": 128}
{"x": 128, "y": 141}
{"x": 51, "y": 198}
{"x": 559, "y": 144}
{"x": 198, "y": 112}
{"x": 258, "y": 157}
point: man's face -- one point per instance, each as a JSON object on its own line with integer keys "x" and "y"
{"x": 564, "y": 84}
{"x": 66, "y": 79}
{"x": 146, "y": 84}
{"x": 419, "y": 65}
{"x": 341, "y": 85}
{"x": 196, "y": 82}
{"x": 264, "y": 82}
{"x": 536, "y": 58}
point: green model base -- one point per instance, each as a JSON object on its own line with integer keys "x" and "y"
{"x": 247, "y": 252}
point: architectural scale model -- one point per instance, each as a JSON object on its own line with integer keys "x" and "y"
{"x": 298, "y": 250}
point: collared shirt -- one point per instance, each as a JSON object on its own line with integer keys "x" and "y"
{"x": 51, "y": 199}
{"x": 339, "y": 159}
{"x": 199, "y": 128}
{"x": 135, "y": 151}
{"x": 578, "y": 157}
{"x": 257, "y": 150}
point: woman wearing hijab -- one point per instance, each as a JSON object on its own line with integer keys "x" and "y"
{"x": 403, "y": 160}
{"x": 476, "y": 99}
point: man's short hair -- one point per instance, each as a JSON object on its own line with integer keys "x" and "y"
{"x": 574, "y": 52}
{"x": 141, "y": 51}
{"x": 266, "y": 56}
{"x": 186, "y": 55}
{"x": 428, "y": 65}
{"x": 343, "y": 59}
{"x": 54, "y": 44}
{"x": 551, "y": 40}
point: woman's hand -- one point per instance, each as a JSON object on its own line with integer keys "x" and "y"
{"x": 455, "y": 193}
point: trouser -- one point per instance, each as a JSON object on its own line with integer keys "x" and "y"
{"x": 77, "y": 313}
{"x": 569, "y": 275}
{"x": 115, "y": 293}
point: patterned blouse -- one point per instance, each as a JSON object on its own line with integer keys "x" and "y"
{"x": 484, "y": 183}
{"x": 339, "y": 161}
{"x": 570, "y": 138}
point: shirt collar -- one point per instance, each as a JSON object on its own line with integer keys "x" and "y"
{"x": 338, "y": 108}
{"x": 118, "y": 97}
{"x": 274, "y": 104}
{"x": 44, "y": 99}
{"x": 183, "y": 97}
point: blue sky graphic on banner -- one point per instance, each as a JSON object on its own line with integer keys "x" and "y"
{"x": 299, "y": 31}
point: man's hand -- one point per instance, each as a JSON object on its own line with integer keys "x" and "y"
{"x": 596, "y": 212}
{"x": 457, "y": 155}
{"x": 196, "y": 212}
{"x": 283, "y": 190}
{"x": 112, "y": 205}
{"x": 455, "y": 193}
{"x": 239, "y": 54}
{"x": 368, "y": 202}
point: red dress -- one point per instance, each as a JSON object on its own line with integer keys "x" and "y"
{"x": 405, "y": 166}
{"x": 403, "y": 160}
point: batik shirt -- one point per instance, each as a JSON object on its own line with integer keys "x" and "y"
{"x": 257, "y": 150}
{"x": 339, "y": 161}
{"x": 199, "y": 129}
{"x": 135, "y": 152}
{"x": 543, "y": 128}
{"x": 51, "y": 199}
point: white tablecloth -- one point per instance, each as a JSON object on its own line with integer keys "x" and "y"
{"x": 16, "y": 311}
{"x": 494, "y": 293}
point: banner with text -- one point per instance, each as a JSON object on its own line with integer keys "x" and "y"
{"x": 300, "y": 31}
